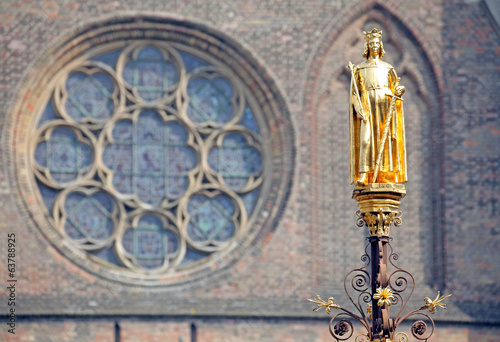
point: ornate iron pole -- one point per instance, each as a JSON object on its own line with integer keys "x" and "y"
{"x": 378, "y": 169}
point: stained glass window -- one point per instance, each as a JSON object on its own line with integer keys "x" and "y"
{"x": 149, "y": 156}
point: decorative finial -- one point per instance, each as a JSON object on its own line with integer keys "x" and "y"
{"x": 322, "y": 304}
{"x": 433, "y": 304}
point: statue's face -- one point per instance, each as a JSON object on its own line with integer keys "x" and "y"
{"x": 374, "y": 46}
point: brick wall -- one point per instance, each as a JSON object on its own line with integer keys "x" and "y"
{"x": 449, "y": 238}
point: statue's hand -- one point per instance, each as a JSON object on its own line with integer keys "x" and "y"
{"x": 399, "y": 91}
{"x": 359, "y": 114}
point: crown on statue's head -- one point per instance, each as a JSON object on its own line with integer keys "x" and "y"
{"x": 374, "y": 33}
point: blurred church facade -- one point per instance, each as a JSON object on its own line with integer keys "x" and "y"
{"x": 179, "y": 170}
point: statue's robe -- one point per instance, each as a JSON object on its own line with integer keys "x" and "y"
{"x": 375, "y": 79}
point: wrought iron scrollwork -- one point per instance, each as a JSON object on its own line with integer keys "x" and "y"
{"x": 362, "y": 338}
{"x": 399, "y": 281}
{"x": 356, "y": 281}
{"x": 401, "y": 337}
{"x": 398, "y": 220}
{"x": 341, "y": 330}
{"x": 360, "y": 222}
{"x": 359, "y": 280}
{"x": 419, "y": 329}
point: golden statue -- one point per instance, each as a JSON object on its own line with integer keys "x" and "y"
{"x": 376, "y": 121}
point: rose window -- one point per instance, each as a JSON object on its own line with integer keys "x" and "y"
{"x": 150, "y": 156}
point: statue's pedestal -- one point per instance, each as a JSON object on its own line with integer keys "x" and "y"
{"x": 379, "y": 206}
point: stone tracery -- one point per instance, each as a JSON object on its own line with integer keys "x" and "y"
{"x": 151, "y": 151}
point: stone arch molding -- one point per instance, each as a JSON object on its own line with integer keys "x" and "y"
{"x": 151, "y": 150}
{"x": 327, "y": 103}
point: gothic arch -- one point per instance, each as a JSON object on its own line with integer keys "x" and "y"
{"x": 326, "y": 102}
